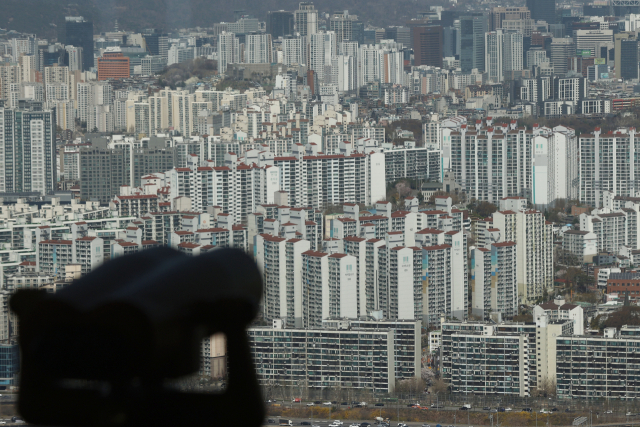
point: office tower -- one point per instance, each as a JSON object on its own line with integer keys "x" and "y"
{"x": 617, "y": 41}
{"x": 280, "y": 23}
{"x": 157, "y": 44}
{"x": 322, "y": 49}
{"x": 28, "y": 151}
{"x": 400, "y": 35}
{"x": 471, "y": 31}
{"x": 542, "y": 10}
{"x": 79, "y": 32}
{"x": 258, "y": 49}
{"x": 358, "y": 32}
{"x": 228, "y": 51}
{"x": 113, "y": 65}
{"x": 306, "y": 19}
{"x": 589, "y": 39}
{"x": 628, "y": 61}
{"x": 450, "y": 42}
{"x": 560, "y": 52}
{"x": 342, "y": 24}
{"x": 294, "y": 51}
{"x": 427, "y": 46}
{"x": 500, "y": 14}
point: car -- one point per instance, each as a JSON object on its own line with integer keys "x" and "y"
{"x": 311, "y": 404}
{"x": 527, "y": 410}
{"x": 508, "y": 409}
{"x": 338, "y": 422}
{"x": 333, "y": 402}
{"x": 355, "y": 425}
{"x": 628, "y": 414}
{"x": 317, "y": 402}
{"x": 305, "y": 423}
{"x": 334, "y": 424}
{"x": 426, "y": 425}
{"x": 365, "y": 425}
{"x": 486, "y": 408}
{"x": 315, "y": 425}
{"x": 271, "y": 421}
{"x": 493, "y": 410}
{"x": 608, "y": 411}
{"x": 402, "y": 425}
{"x": 327, "y": 403}
{"x": 464, "y": 408}
{"x": 438, "y": 405}
{"x": 345, "y": 403}
{"x": 500, "y": 409}
{"x": 354, "y": 402}
{"x": 543, "y": 411}
{"x": 411, "y": 405}
{"x": 554, "y": 409}
{"x": 379, "y": 404}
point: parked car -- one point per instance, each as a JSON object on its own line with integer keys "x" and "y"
{"x": 345, "y": 403}
{"x": 426, "y": 425}
{"x": 379, "y": 404}
{"x": 554, "y": 409}
{"x": 527, "y": 410}
{"x": 493, "y": 410}
{"x": 305, "y": 423}
{"x": 486, "y": 408}
{"x": 327, "y": 403}
{"x": 364, "y": 424}
{"x": 271, "y": 421}
{"x": 608, "y": 411}
{"x": 500, "y": 409}
{"x": 310, "y": 404}
{"x": 508, "y": 409}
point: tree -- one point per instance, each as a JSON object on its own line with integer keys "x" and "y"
{"x": 546, "y": 388}
{"x": 427, "y": 375}
{"x": 486, "y": 209}
{"x": 627, "y": 315}
{"x": 440, "y": 386}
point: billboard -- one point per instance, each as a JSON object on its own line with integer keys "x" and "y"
{"x": 599, "y": 61}
{"x": 583, "y": 52}
{"x": 604, "y": 75}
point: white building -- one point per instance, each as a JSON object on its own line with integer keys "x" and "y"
{"x": 228, "y": 50}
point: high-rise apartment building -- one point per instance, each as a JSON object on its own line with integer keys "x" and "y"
{"x": 258, "y": 49}
{"x": 228, "y": 50}
{"x": 342, "y": 24}
{"x": 27, "y": 150}
{"x": 494, "y": 281}
{"x": 306, "y": 19}
{"x": 322, "y": 49}
{"x": 79, "y": 32}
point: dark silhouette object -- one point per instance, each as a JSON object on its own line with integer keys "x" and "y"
{"x": 99, "y": 351}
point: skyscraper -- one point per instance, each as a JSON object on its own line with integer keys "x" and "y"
{"x": 157, "y": 44}
{"x": 79, "y": 32}
{"x": 543, "y": 10}
{"x": 471, "y": 31}
{"x": 280, "y": 23}
{"x": 427, "y": 46}
{"x": 628, "y": 60}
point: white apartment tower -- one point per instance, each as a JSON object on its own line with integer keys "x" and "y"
{"x": 228, "y": 51}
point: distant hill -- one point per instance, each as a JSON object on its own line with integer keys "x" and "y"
{"x": 46, "y": 17}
